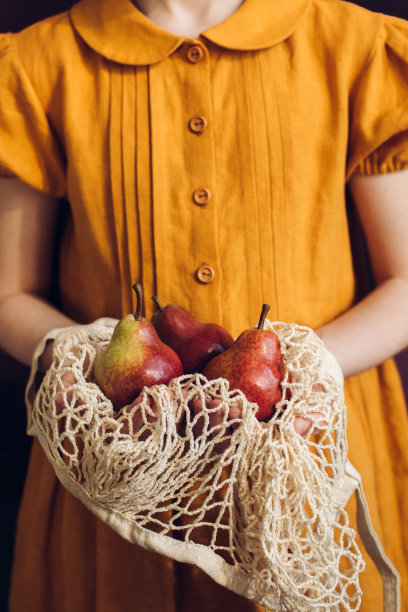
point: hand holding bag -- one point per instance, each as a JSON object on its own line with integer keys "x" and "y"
{"x": 255, "y": 505}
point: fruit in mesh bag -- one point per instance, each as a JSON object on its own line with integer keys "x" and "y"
{"x": 134, "y": 358}
{"x": 254, "y": 365}
{"x": 194, "y": 342}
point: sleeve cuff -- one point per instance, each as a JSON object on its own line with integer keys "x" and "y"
{"x": 372, "y": 166}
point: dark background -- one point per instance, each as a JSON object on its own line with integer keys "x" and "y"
{"x": 15, "y": 446}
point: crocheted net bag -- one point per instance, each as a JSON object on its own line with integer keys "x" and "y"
{"x": 254, "y": 504}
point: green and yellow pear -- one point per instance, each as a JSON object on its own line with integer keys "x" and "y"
{"x": 135, "y": 358}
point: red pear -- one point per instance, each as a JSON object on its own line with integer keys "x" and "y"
{"x": 254, "y": 365}
{"x": 194, "y": 342}
{"x": 135, "y": 358}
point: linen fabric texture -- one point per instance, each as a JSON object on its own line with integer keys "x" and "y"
{"x": 95, "y": 106}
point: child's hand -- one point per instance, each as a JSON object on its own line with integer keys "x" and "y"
{"x": 136, "y": 417}
{"x": 216, "y": 422}
{"x": 144, "y": 416}
{"x": 301, "y": 425}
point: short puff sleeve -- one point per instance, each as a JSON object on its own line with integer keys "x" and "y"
{"x": 29, "y": 147}
{"x": 379, "y": 105}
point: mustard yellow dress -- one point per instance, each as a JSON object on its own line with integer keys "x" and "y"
{"x": 213, "y": 171}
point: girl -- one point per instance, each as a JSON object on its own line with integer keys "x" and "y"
{"x": 205, "y": 149}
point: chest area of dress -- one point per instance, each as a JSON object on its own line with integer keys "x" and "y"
{"x": 210, "y": 126}
{"x": 216, "y": 161}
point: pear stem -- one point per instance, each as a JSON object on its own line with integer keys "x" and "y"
{"x": 158, "y": 304}
{"x": 265, "y": 310}
{"x": 139, "y": 305}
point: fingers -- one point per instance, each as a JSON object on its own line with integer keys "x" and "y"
{"x": 318, "y": 388}
{"x": 64, "y": 399}
{"x": 71, "y": 444}
{"x": 215, "y": 428}
{"x": 138, "y": 416}
{"x": 219, "y": 427}
{"x": 141, "y": 414}
{"x": 180, "y": 409}
{"x": 316, "y": 424}
{"x": 303, "y": 425}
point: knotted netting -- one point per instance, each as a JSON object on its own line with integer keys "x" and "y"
{"x": 254, "y": 504}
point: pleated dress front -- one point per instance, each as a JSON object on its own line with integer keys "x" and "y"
{"x": 213, "y": 171}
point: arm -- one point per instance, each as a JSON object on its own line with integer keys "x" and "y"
{"x": 377, "y": 327}
{"x": 27, "y": 228}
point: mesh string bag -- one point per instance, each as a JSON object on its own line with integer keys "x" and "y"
{"x": 254, "y": 504}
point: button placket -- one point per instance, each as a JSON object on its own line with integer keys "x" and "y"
{"x": 199, "y": 125}
{"x": 183, "y": 178}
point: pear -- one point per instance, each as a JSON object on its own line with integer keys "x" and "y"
{"x": 194, "y": 342}
{"x": 135, "y": 358}
{"x": 254, "y": 365}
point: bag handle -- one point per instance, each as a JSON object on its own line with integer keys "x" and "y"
{"x": 390, "y": 576}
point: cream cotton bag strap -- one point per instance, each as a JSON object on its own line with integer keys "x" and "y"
{"x": 267, "y": 524}
{"x": 352, "y": 483}
{"x": 391, "y": 578}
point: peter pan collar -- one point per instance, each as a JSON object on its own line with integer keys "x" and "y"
{"x": 120, "y": 32}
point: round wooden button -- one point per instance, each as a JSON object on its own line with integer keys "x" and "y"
{"x": 202, "y": 196}
{"x": 197, "y": 124}
{"x": 195, "y": 54}
{"x": 205, "y": 274}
